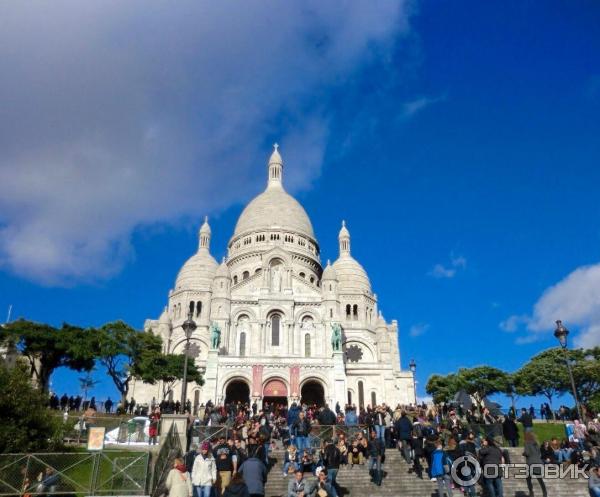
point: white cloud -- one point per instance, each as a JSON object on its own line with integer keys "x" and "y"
{"x": 513, "y": 323}
{"x": 414, "y": 106}
{"x": 416, "y": 330}
{"x": 117, "y": 115}
{"x": 442, "y": 271}
{"x": 575, "y": 300}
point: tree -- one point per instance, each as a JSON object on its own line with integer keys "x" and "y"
{"x": 442, "y": 388}
{"x": 168, "y": 368}
{"x": 127, "y": 353}
{"x": 25, "y": 424}
{"x": 510, "y": 389}
{"x": 47, "y": 348}
{"x": 545, "y": 374}
{"x": 586, "y": 371}
{"x": 86, "y": 383}
{"x": 481, "y": 381}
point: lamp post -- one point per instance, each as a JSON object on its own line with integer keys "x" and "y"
{"x": 188, "y": 327}
{"x": 412, "y": 365}
{"x": 561, "y": 334}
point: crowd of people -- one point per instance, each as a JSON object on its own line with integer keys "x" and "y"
{"x": 236, "y": 462}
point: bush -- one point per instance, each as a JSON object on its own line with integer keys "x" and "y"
{"x": 26, "y": 424}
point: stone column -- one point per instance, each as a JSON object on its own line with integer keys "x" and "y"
{"x": 338, "y": 393}
{"x": 209, "y": 390}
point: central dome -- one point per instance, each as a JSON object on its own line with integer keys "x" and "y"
{"x": 274, "y": 208}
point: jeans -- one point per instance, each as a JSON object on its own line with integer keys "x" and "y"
{"x": 494, "y": 487}
{"x": 202, "y": 490}
{"x": 406, "y": 450}
{"x": 267, "y": 447}
{"x": 595, "y": 491}
{"x": 331, "y": 478}
{"x": 301, "y": 443}
{"x": 286, "y": 467}
{"x": 444, "y": 484}
{"x": 512, "y": 442}
{"x": 542, "y": 485}
{"x": 375, "y": 469}
{"x": 380, "y": 430}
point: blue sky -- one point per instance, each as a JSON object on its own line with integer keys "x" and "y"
{"x": 459, "y": 140}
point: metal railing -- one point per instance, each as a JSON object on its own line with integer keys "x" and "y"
{"x": 98, "y": 473}
{"x": 170, "y": 449}
{"x": 120, "y": 430}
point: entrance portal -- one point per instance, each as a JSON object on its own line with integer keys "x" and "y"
{"x": 312, "y": 393}
{"x": 237, "y": 391}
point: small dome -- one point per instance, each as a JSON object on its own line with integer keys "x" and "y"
{"x": 344, "y": 233}
{"x": 197, "y": 273}
{"x": 223, "y": 270}
{"x": 329, "y": 273}
{"x": 351, "y": 275}
{"x": 275, "y": 156}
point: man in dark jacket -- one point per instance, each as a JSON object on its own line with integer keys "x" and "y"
{"x": 226, "y": 462}
{"x": 526, "y": 419}
{"x": 332, "y": 458}
{"x": 300, "y": 431}
{"x": 327, "y": 417}
{"x": 255, "y": 476}
{"x": 491, "y": 455}
{"x": 404, "y": 429}
{"x": 510, "y": 430}
{"x": 376, "y": 453}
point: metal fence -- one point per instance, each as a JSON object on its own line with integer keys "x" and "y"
{"x": 119, "y": 430}
{"x": 98, "y": 473}
{"x": 170, "y": 449}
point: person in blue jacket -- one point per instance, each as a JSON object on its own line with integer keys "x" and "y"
{"x": 440, "y": 470}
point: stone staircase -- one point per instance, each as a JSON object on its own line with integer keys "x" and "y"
{"x": 398, "y": 481}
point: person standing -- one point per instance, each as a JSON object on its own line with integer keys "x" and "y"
{"x": 300, "y": 431}
{"x": 440, "y": 470}
{"x": 204, "y": 472}
{"x": 226, "y": 464}
{"x": 153, "y": 428}
{"x": 332, "y": 458}
{"x": 510, "y": 431}
{"x": 491, "y": 455}
{"x": 254, "y": 473}
{"x": 404, "y": 428}
{"x": 526, "y": 419}
{"x": 593, "y": 483}
{"x": 533, "y": 458}
{"x": 237, "y": 487}
{"x": 179, "y": 482}
{"x": 376, "y": 452}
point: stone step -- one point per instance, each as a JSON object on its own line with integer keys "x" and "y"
{"x": 398, "y": 481}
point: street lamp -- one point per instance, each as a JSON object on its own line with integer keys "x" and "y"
{"x": 412, "y": 365}
{"x": 188, "y": 327}
{"x": 561, "y": 334}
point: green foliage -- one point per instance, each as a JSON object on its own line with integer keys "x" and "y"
{"x": 168, "y": 368}
{"x": 442, "y": 388}
{"x": 25, "y": 423}
{"x": 482, "y": 381}
{"x": 127, "y": 353}
{"x": 47, "y": 348}
{"x": 586, "y": 370}
{"x": 545, "y": 374}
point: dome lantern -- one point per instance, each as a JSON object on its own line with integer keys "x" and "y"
{"x": 275, "y": 167}
{"x": 204, "y": 235}
{"x": 344, "y": 239}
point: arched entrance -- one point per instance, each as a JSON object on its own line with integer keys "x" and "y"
{"x": 275, "y": 392}
{"x": 237, "y": 391}
{"x": 312, "y": 392}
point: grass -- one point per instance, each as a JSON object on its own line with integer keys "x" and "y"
{"x": 544, "y": 431}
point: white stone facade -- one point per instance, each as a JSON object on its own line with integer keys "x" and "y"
{"x": 275, "y": 306}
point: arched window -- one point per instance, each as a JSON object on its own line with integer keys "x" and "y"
{"x": 348, "y": 311}
{"x": 242, "y": 344}
{"x": 198, "y": 309}
{"x": 349, "y": 398}
{"x": 355, "y": 312}
{"x": 330, "y": 287}
{"x": 307, "y": 345}
{"x": 235, "y": 279}
{"x": 275, "y": 323}
{"x": 373, "y": 399}
{"x": 245, "y": 275}
{"x": 361, "y": 395}
{"x": 330, "y": 313}
{"x": 312, "y": 279}
{"x": 192, "y": 308}
{"x": 302, "y": 275}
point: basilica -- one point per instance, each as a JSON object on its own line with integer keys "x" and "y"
{"x": 273, "y": 324}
